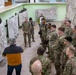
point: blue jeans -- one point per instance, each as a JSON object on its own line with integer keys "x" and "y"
{"x": 17, "y": 69}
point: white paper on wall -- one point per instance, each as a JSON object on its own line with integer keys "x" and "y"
{"x": 31, "y": 1}
{"x": 13, "y": 27}
{"x": 22, "y": 17}
{"x": 3, "y": 40}
{"x": 10, "y": 28}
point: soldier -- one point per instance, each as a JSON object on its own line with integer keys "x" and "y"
{"x": 64, "y": 23}
{"x": 68, "y": 29}
{"x": 48, "y": 28}
{"x": 26, "y": 27}
{"x": 64, "y": 58}
{"x": 74, "y": 37}
{"x": 52, "y": 38}
{"x": 57, "y": 47}
{"x": 32, "y": 28}
{"x": 48, "y": 33}
{"x": 46, "y": 64}
{"x": 43, "y": 30}
{"x": 70, "y": 67}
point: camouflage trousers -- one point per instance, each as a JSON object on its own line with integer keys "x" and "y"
{"x": 51, "y": 53}
{"x": 27, "y": 35}
{"x": 63, "y": 61}
{"x": 43, "y": 42}
{"x": 57, "y": 62}
{"x": 32, "y": 35}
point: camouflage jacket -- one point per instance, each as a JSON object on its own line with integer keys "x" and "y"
{"x": 74, "y": 39}
{"x": 68, "y": 31}
{"x": 70, "y": 67}
{"x": 52, "y": 37}
{"x": 26, "y": 27}
{"x": 43, "y": 29}
{"x": 48, "y": 31}
{"x": 63, "y": 25}
{"x": 64, "y": 58}
{"x": 46, "y": 64}
{"x": 32, "y": 25}
{"x": 59, "y": 44}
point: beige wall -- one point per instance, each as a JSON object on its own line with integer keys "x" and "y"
{"x": 71, "y": 11}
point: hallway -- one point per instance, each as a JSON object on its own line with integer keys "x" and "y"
{"x": 28, "y": 52}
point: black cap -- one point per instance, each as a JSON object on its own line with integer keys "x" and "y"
{"x": 68, "y": 38}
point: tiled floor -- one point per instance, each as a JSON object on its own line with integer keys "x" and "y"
{"x": 28, "y": 52}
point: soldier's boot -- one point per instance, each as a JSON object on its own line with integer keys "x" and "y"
{"x": 25, "y": 43}
{"x": 29, "y": 44}
{"x": 33, "y": 38}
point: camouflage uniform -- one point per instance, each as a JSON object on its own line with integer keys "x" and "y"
{"x": 70, "y": 67}
{"x": 57, "y": 47}
{"x": 26, "y": 27}
{"x": 32, "y": 30}
{"x": 64, "y": 58}
{"x": 52, "y": 38}
{"x": 46, "y": 64}
{"x": 43, "y": 29}
{"x": 74, "y": 39}
{"x": 48, "y": 33}
{"x": 63, "y": 25}
{"x": 68, "y": 31}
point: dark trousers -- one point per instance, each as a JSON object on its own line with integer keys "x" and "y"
{"x": 17, "y": 69}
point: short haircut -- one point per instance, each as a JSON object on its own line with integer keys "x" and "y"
{"x": 72, "y": 49}
{"x": 43, "y": 19}
{"x": 30, "y": 18}
{"x": 0, "y": 20}
{"x": 40, "y": 51}
{"x": 54, "y": 26}
{"x": 61, "y": 29}
{"x": 68, "y": 38}
{"x": 12, "y": 41}
{"x": 69, "y": 21}
{"x": 49, "y": 24}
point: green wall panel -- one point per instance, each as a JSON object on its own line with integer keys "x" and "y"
{"x": 61, "y": 10}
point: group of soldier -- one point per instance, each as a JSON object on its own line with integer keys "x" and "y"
{"x": 28, "y": 31}
{"x": 61, "y": 44}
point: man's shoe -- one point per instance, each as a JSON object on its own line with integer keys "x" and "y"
{"x": 33, "y": 40}
{"x": 29, "y": 45}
